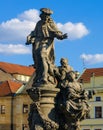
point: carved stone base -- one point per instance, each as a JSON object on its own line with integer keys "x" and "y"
{"x": 42, "y": 114}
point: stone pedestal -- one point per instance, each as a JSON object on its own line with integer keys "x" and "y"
{"x": 42, "y": 112}
{"x": 47, "y": 102}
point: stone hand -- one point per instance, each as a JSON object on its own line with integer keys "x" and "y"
{"x": 28, "y": 40}
{"x": 65, "y": 36}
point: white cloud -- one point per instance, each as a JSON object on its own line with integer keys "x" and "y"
{"x": 92, "y": 59}
{"x": 16, "y": 30}
{"x": 14, "y": 49}
{"x": 74, "y": 30}
{"x": 30, "y": 15}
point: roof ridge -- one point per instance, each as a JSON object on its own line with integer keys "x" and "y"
{"x": 12, "y": 63}
{"x": 94, "y": 68}
{"x": 8, "y": 82}
{"x": 16, "y": 68}
{"x": 17, "y": 64}
{"x": 86, "y": 75}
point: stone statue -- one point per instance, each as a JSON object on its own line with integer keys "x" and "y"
{"x": 73, "y": 105}
{"x": 42, "y": 40}
{"x": 62, "y": 71}
{"x": 59, "y": 100}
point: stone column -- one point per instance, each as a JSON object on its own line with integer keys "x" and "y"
{"x": 42, "y": 112}
{"x": 47, "y": 102}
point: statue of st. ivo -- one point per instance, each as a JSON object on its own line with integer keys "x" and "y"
{"x": 59, "y": 100}
{"x": 42, "y": 40}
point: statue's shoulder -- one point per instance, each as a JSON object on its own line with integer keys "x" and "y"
{"x": 39, "y": 22}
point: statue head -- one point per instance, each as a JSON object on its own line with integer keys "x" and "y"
{"x": 45, "y": 14}
{"x": 46, "y": 11}
{"x": 64, "y": 61}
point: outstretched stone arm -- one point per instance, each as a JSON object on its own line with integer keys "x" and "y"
{"x": 56, "y": 32}
{"x": 61, "y": 37}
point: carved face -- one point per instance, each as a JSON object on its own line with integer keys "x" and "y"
{"x": 64, "y": 61}
{"x": 44, "y": 17}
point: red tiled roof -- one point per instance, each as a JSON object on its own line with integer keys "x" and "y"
{"x": 88, "y": 73}
{"x": 9, "y": 87}
{"x": 16, "y": 69}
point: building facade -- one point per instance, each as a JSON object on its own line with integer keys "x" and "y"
{"x": 93, "y": 80}
{"x": 14, "y": 101}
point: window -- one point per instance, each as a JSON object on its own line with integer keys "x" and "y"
{"x": 98, "y": 112}
{"x": 25, "y": 108}
{"x": 2, "y": 109}
{"x": 98, "y": 98}
{"x": 24, "y": 127}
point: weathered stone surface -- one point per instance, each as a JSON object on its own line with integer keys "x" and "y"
{"x": 59, "y": 101}
{"x": 42, "y": 113}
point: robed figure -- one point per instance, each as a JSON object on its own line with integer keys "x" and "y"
{"x": 42, "y": 40}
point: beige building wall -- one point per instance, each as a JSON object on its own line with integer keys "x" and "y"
{"x": 5, "y": 118}
{"x": 14, "y": 109}
{"x": 20, "y": 118}
{"x": 14, "y": 112}
{"x": 96, "y": 83}
{"x": 21, "y": 77}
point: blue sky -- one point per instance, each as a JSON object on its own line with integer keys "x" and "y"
{"x": 81, "y": 19}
